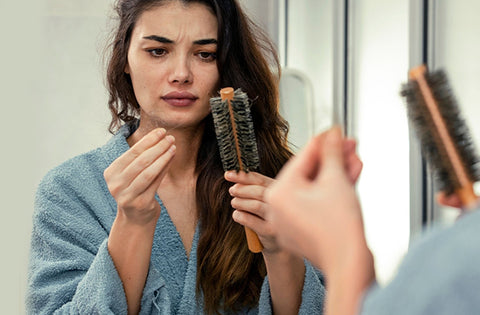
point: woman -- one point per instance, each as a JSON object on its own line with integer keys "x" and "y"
{"x": 144, "y": 223}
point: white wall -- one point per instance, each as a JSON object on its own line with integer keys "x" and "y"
{"x": 54, "y": 107}
{"x": 19, "y": 58}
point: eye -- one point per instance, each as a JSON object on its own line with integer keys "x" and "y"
{"x": 157, "y": 52}
{"x": 207, "y": 56}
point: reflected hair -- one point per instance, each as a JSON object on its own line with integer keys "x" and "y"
{"x": 229, "y": 276}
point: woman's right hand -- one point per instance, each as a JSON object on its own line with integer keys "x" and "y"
{"x": 133, "y": 178}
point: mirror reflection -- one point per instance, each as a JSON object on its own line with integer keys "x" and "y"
{"x": 63, "y": 79}
{"x": 164, "y": 188}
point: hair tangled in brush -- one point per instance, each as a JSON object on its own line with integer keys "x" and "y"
{"x": 229, "y": 276}
{"x": 432, "y": 146}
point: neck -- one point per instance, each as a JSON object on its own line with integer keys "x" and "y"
{"x": 185, "y": 160}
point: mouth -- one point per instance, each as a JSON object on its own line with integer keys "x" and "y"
{"x": 179, "y": 99}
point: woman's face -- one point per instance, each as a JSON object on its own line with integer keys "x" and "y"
{"x": 172, "y": 64}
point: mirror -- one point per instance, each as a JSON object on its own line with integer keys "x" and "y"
{"x": 55, "y": 101}
{"x": 296, "y": 105}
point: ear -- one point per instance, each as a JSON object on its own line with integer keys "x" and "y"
{"x": 127, "y": 69}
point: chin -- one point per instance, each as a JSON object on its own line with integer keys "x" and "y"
{"x": 176, "y": 119}
{"x": 181, "y": 124}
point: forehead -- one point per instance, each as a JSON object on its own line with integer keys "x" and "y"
{"x": 174, "y": 19}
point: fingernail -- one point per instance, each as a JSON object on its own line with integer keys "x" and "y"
{"x": 235, "y": 215}
{"x": 230, "y": 174}
{"x": 170, "y": 138}
{"x": 161, "y": 131}
{"x": 334, "y": 135}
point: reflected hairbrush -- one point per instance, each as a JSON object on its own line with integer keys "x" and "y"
{"x": 445, "y": 138}
{"x": 236, "y": 140}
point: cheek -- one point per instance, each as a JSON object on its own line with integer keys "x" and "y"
{"x": 211, "y": 87}
{"x": 144, "y": 89}
{"x": 142, "y": 74}
{"x": 212, "y": 82}
{"x": 144, "y": 80}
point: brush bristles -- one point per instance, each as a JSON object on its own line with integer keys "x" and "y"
{"x": 240, "y": 130}
{"x": 432, "y": 148}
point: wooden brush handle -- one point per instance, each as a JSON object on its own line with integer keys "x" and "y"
{"x": 227, "y": 93}
{"x": 254, "y": 244}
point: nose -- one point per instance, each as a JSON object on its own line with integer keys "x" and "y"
{"x": 181, "y": 71}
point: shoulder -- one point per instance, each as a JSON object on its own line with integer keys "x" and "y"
{"x": 75, "y": 170}
{"x": 83, "y": 168}
{"x": 71, "y": 188}
{"x": 439, "y": 275}
{"x": 453, "y": 243}
{"x": 74, "y": 194}
{"x": 445, "y": 255}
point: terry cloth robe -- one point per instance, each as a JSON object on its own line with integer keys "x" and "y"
{"x": 71, "y": 271}
{"x": 439, "y": 275}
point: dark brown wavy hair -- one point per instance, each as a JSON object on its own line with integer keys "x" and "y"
{"x": 229, "y": 276}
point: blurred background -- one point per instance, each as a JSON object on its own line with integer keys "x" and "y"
{"x": 343, "y": 62}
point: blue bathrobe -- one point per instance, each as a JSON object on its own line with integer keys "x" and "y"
{"x": 71, "y": 271}
{"x": 440, "y": 275}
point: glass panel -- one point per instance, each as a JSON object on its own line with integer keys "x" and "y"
{"x": 380, "y": 65}
{"x": 309, "y": 50}
{"x": 457, "y": 50}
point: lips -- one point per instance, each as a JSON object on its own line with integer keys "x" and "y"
{"x": 179, "y": 98}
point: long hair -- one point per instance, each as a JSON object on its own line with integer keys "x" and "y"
{"x": 229, "y": 276}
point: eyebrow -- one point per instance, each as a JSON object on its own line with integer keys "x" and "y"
{"x": 206, "y": 41}
{"x": 165, "y": 40}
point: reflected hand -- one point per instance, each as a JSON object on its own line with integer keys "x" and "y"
{"x": 251, "y": 210}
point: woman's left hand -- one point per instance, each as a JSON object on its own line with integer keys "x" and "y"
{"x": 251, "y": 210}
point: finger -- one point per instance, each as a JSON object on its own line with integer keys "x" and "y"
{"x": 250, "y": 178}
{"x": 247, "y": 191}
{"x": 254, "y": 207}
{"x": 354, "y": 167}
{"x": 153, "y": 188}
{"x": 249, "y": 220}
{"x": 144, "y": 180}
{"x": 331, "y": 153}
{"x": 349, "y": 146}
{"x": 353, "y": 164}
{"x": 146, "y": 158}
{"x": 305, "y": 164}
{"x": 298, "y": 171}
{"x": 149, "y": 140}
{"x": 452, "y": 200}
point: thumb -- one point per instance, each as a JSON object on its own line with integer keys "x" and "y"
{"x": 332, "y": 152}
